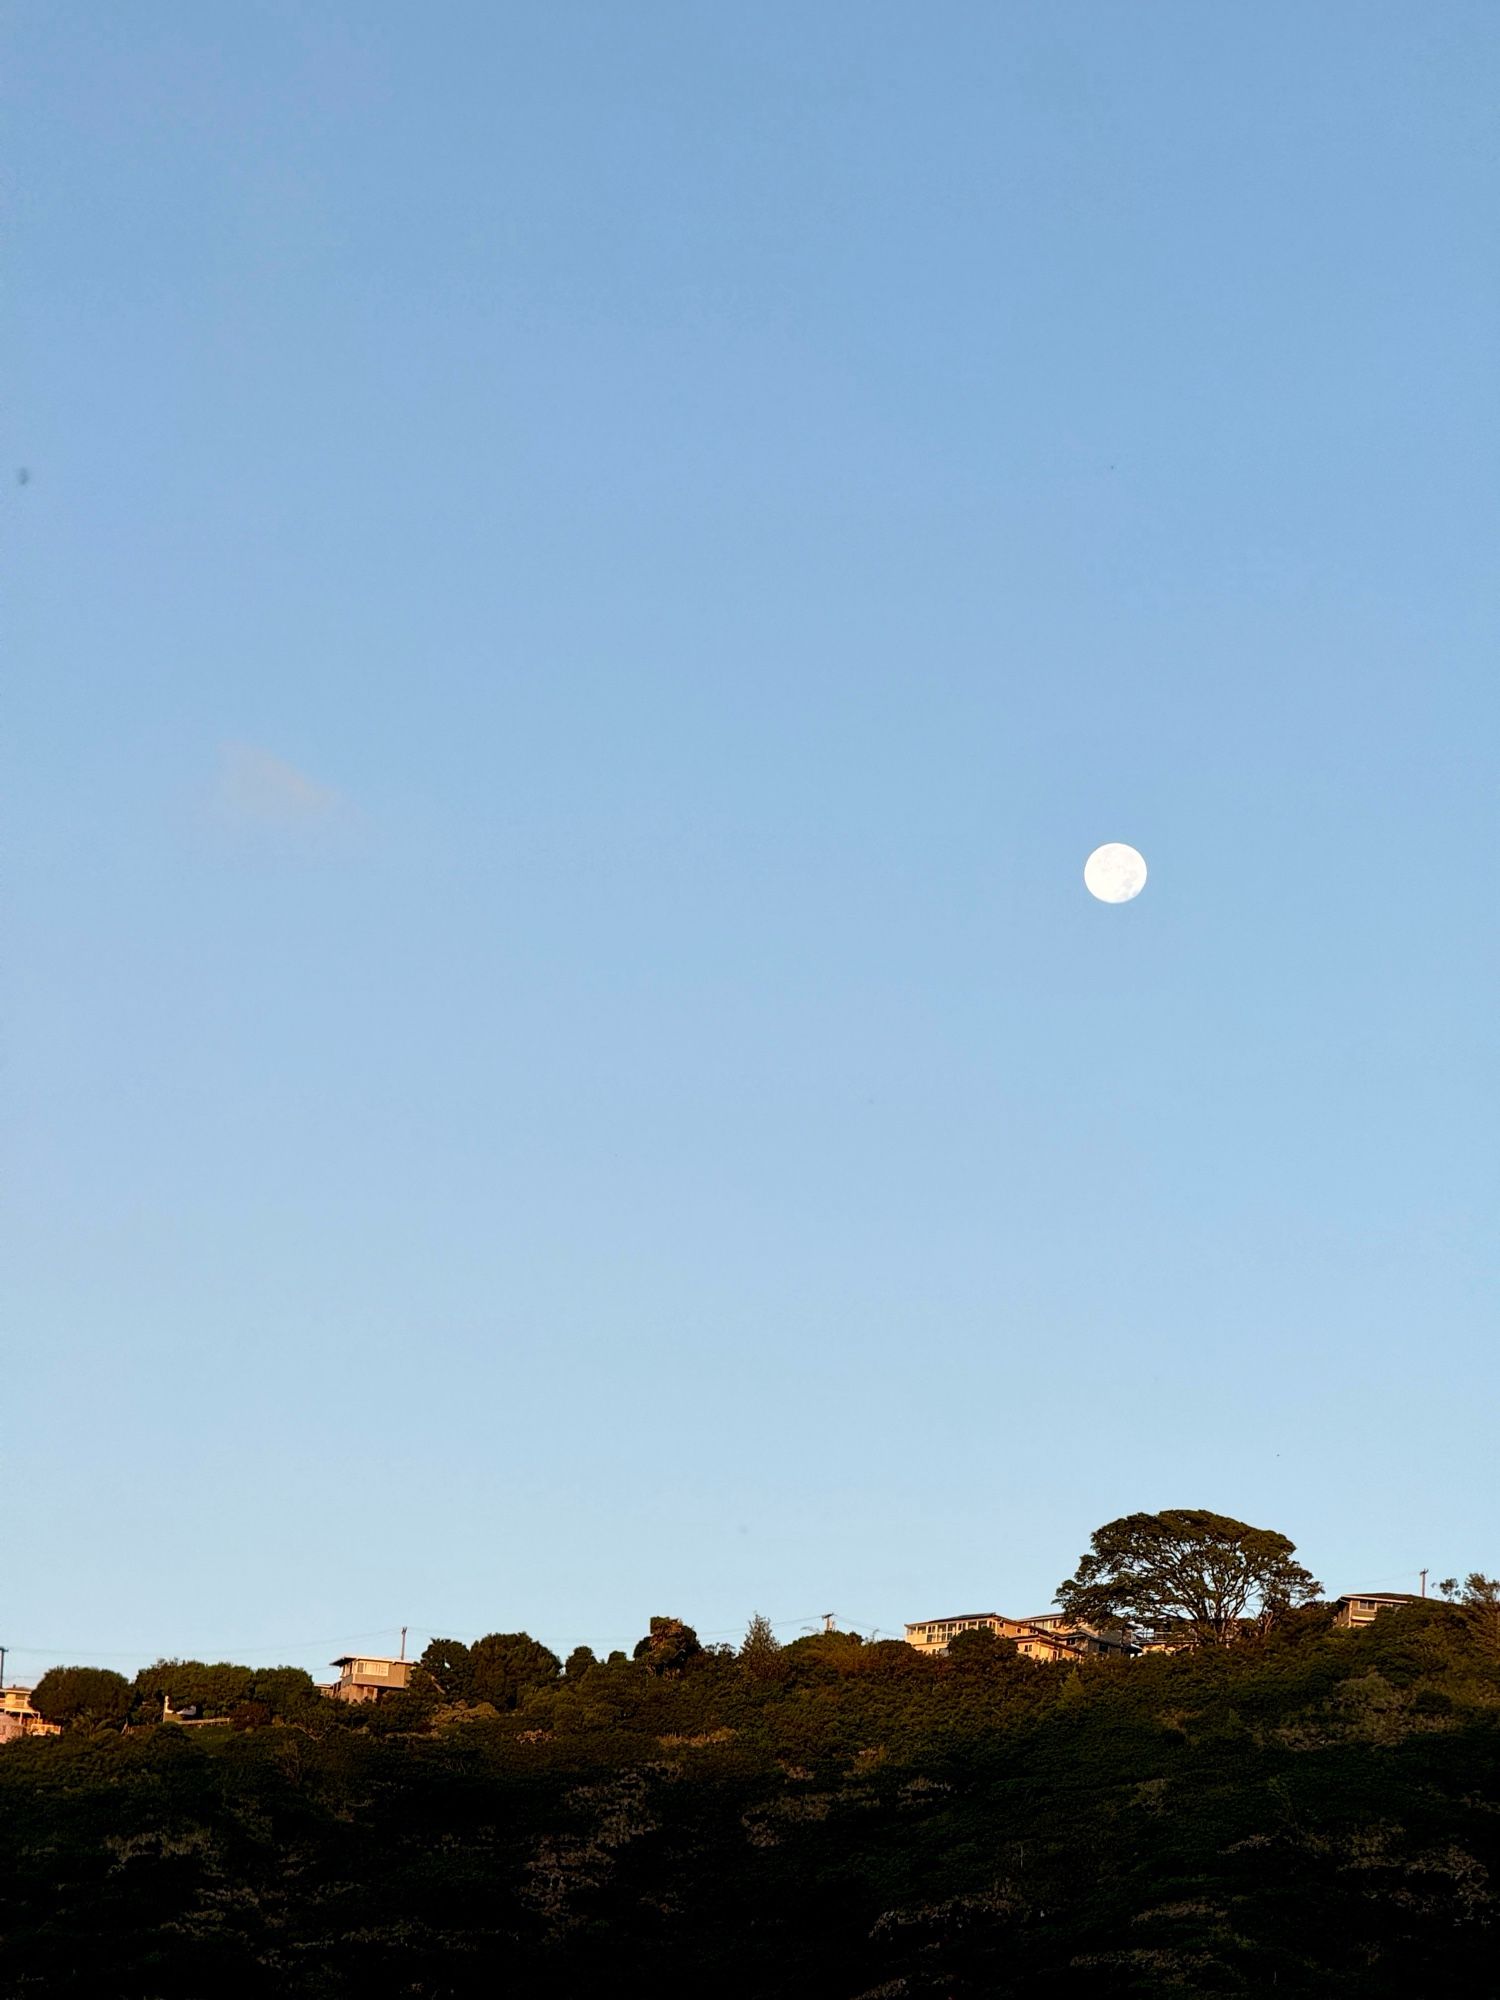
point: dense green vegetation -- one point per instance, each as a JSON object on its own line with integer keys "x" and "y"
{"x": 1303, "y": 1810}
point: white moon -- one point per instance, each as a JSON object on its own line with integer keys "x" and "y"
{"x": 1114, "y": 873}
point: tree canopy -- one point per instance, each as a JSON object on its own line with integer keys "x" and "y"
{"x": 668, "y": 1646}
{"x": 497, "y": 1669}
{"x": 1204, "y": 1573}
{"x": 979, "y": 1647}
{"x": 220, "y": 1688}
{"x": 82, "y": 1697}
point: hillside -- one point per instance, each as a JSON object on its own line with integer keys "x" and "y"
{"x": 1310, "y": 1812}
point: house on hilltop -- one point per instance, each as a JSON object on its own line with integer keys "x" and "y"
{"x": 18, "y": 1718}
{"x": 362, "y": 1678}
{"x": 1354, "y": 1612}
{"x": 932, "y": 1635}
{"x": 1047, "y": 1637}
{"x": 1087, "y": 1642}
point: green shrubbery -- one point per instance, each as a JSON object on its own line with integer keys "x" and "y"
{"x": 1305, "y": 1811}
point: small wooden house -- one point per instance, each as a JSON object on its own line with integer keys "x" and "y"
{"x": 362, "y": 1678}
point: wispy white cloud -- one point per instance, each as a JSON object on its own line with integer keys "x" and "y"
{"x": 260, "y": 792}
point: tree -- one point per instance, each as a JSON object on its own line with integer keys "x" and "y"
{"x": 445, "y": 1669}
{"x": 668, "y": 1646}
{"x": 578, "y": 1662}
{"x": 503, "y": 1665}
{"x": 1211, "y": 1572}
{"x": 1481, "y": 1605}
{"x": 211, "y": 1687}
{"x": 823, "y": 1652}
{"x": 979, "y": 1648}
{"x": 290, "y": 1693}
{"x": 82, "y": 1697}
{"x": 497, "y": 1668}
{"x": 760, "y": 1650}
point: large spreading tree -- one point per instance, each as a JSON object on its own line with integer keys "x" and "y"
{"x": 1204, "y": 1575}
{"x": 83, "y": 1697}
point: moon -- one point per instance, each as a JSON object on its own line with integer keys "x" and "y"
{"x": 1114, "y": 873}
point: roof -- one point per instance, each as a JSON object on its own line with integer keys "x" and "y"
{"x": 1042, "y": 1618}
{"x": 378, "y": 1659}
{"x": 955, "y": 1618}
{"x": 1381, "y": 1597}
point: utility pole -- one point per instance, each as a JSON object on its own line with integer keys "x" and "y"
{"x": 1424, "y": 1583}
{"x": 3, "y": 1651}
{"x": 403, "y": 1633}
{"x": 828, "y": 1618}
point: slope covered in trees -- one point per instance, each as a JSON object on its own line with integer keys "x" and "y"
{"x": 1305, "y": 1810}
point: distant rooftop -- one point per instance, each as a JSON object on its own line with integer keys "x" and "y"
{"x": 956, "y": 1617}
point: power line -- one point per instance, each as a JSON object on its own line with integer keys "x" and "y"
{"x": 221, "y": 1649}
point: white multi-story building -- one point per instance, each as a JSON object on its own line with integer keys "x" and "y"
{"x": 1049, "y": 1636}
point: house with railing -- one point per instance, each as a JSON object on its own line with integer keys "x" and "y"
{"x": 1049, "y": 1636}
{"x": 18, "y": 1718}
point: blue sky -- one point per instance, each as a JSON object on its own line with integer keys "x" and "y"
{"x": 589, "y": 577}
